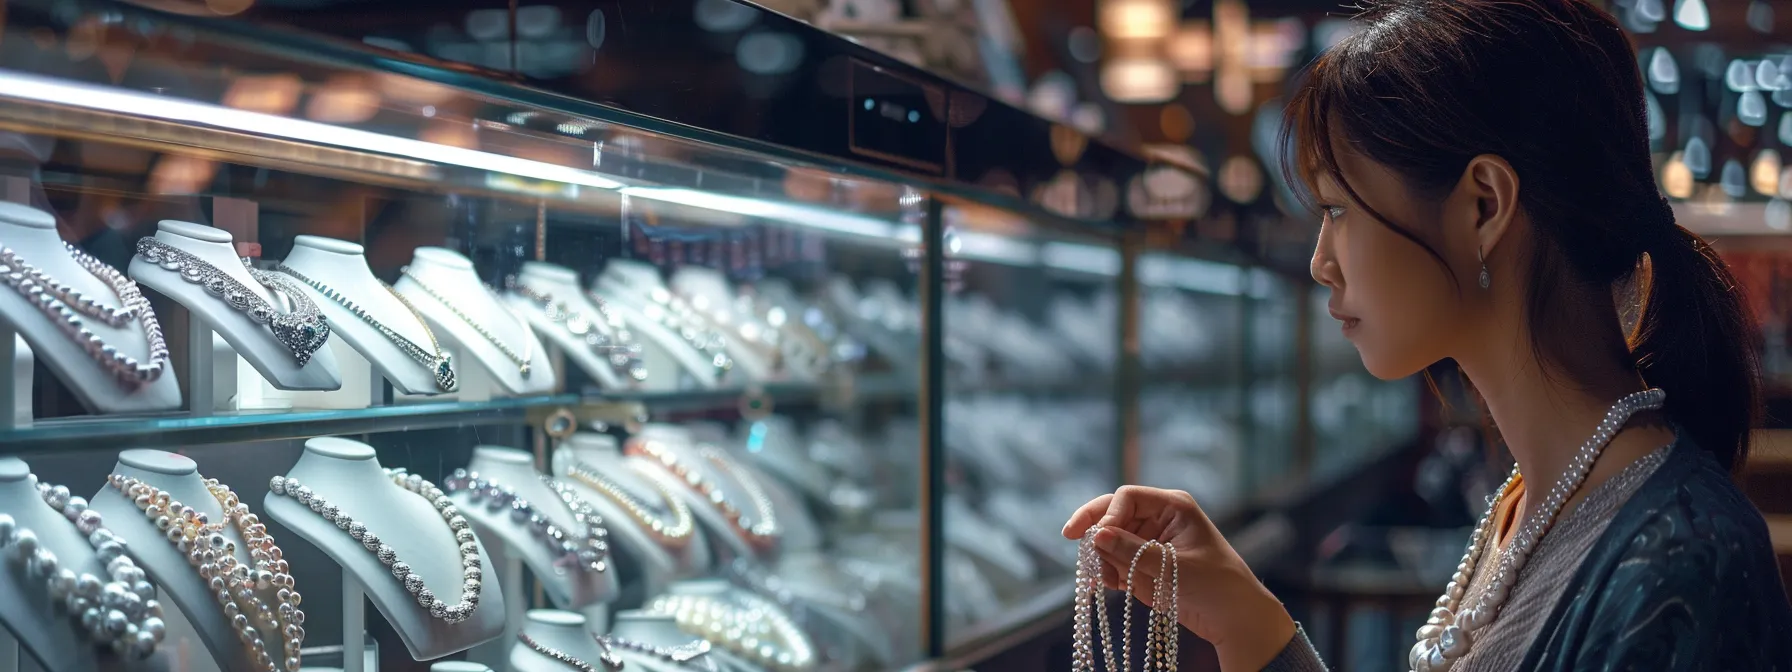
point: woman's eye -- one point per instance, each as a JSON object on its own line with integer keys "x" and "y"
{"x": 1333, "y": 212}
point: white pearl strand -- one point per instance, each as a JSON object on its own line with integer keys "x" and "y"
{"x": 471, "y": 570}
{"x": 1161, "y": 645}
{"x": 121, "y": 612}
{"x": 1448, "y": 634}
{"x": 754, "y": 628}
{"x": 234, "y": 585}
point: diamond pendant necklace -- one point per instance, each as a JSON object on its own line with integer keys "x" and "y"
{"x": 521, "y": 360}
{"x": 302, "y": 331}
{"x": 1449, "y": 633}
{"x": 438, "y": 362}
{"x": 66, "y": 306}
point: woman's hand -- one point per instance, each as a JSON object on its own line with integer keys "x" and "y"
{"x": 1220, "y": 600}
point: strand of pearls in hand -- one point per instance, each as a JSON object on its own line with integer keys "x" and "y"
{"x": 213, "y": 556}
{"x": 1448, "y": 634}
{"x": 1090, "y": 607}
{"x": 122, "y": 612}
{"x": 471, "y": 570}
{"x": 755, "y": 629}
{"x": 590, "y": 553}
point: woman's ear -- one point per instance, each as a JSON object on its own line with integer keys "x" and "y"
{"x": 1489, "y": 192}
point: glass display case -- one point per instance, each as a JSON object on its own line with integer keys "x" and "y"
{"x": 544, "y": 365}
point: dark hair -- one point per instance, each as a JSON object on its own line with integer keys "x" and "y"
{"x": 1551, "y": 87}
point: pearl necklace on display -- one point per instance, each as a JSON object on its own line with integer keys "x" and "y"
{"x": 766, "y": 527}
{"x": 706, "y": 342}
{"x": 440, "y": 364}
{"x": 590, "y": 553}
{"x": 521, "y": 360}
{"x": 66, "y": 306}
{"x": 681, "y": 655}
{"x": 610, "y": 661}
{"x": 213, "y": 556}
{"x": 1448, "y": 634}
{"x": 1161, "y": 645}
{"x": 757, "y": 534}
{"x": 675, "y": 534}
{"x": 120, "y": 611}
{"x": 471, "y": 571}
{"x": 755, "y": 629}
{"x": 302, "y": 331}
{"x": 617, "y": 348}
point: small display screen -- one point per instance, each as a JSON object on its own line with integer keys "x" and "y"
{"x": 897, "y": 120}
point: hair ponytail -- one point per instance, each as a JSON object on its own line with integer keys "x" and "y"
{"x": 1695, "y": 338}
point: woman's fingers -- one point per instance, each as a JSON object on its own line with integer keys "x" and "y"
{"x": 1118, "y": 548}
{"x": 1086, "y": 516}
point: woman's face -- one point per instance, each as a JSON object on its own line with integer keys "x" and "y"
{"x": 1392, "y": 298}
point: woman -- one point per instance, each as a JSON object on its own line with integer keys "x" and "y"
{"x": 1482, "y": 168}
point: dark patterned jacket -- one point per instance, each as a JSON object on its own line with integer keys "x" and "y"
{"x": 1684, "y": 578}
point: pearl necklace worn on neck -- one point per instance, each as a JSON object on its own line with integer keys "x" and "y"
{"x": 471, "y": 569}
{"x": 1161, "y": 646}
{"x": 1449, "y": 633}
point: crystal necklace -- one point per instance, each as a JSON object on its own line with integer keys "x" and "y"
{"x": 66, "y": 306}
{"x": 1161, "y": 647}
{"x": 708, "y": 343}
{"x": 438, "y": 362}
{"x": 617, "y": 348}
{"x": 303, "y": 330}
{"x": 521, "y": 360}
{"x": 1449, "y": 633}
{"x": 589, "y": 552}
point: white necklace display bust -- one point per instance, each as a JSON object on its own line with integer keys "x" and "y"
{"x": 348, "y": 475}
{"x": 657, "y": 564}
{"x": 569, "y": 587}
{"x": 440, "y": 272}
{"x": 31, "y": 233}
{"x": 167, "y": 566}
{"x": 340, "y": 266}
{"x": 678, "y": 439}
{"x": 45, "y": 632}
{"x": 662, "y": 631}
{"x": 561, "y": 285}
{"x": 627, "y": 285}
{"x": 250, "y": 339}
{"x": 563, "y": 631}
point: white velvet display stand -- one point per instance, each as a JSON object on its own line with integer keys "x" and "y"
{"x": 341, "y": 266}
{"x": 568, "y": 587}
{"x": 251, "y": 340}
{"x": 658, "y": 565}
{"x": 627, "y": 285}
{"x": 459, "y": 666}
{"x": 782, "y": 453}
{"x": 562, "y": 284}
{"x": 678, "y": 439}
{"x": 347, "y": 474}
{"x": 32, "y": 234}
{"x": 797, "y": 530}
{"x": 39, "y": 629}
{"x": 167, "y": 567}
{"x": 449, "y": 274}
{"x": 707, "y": 288}
{"x": 717, "y": 589}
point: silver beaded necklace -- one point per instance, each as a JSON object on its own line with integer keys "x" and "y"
{"x": 303, "y": 330}
{"x": 66, "y": 306}
{"x": 470, "y": 562}
{"x": 439, "y": 363}
{"x": 1161, "y": 647}
{"x": 520, "y": 359}
{"x": 1449, "y": 634}
{"x": 589, "y": 552}
{"x": 617, "y": 347}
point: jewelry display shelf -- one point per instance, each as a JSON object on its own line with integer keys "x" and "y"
{"x": 90, "y": 432}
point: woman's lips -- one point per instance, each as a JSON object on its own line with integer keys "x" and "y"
{"x": 1349, "y": 323}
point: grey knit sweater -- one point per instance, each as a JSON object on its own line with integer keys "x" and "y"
{"x": 1501, "y": 646}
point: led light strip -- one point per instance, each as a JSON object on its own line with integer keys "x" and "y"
{"x": 17, "y": 85}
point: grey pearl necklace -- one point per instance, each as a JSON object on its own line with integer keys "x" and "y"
{"x": 470, "y": 562}
{"x": 120, "y": 611}
{"x": 1449, "y": 633}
